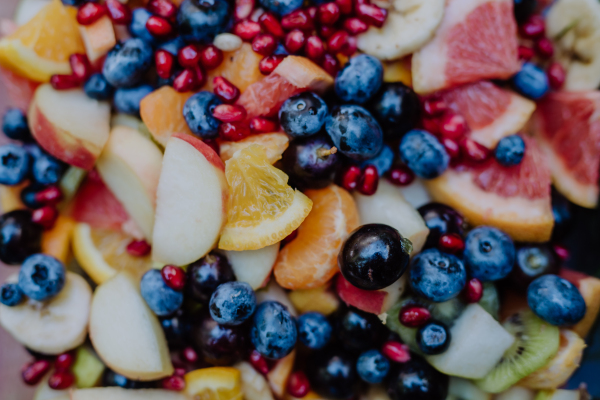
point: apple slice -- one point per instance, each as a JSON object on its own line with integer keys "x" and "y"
{"x": 253, "y": 266}
{"x": 254, "y": 384}
{"x": 117, "y": 393}
{"x": 372, "y": 301}
{"x": 130, "y": 166}
{"x": 516, "y": 393}
{"x": 125, "y": 333}
{"x": 589, "y": 287}
{"x": 191, "y": 200}
{"x": 69, "y": 125}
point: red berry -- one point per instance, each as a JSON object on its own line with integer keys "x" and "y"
{"x": 200, "y": 75}
{"x": 314, "y": 49}
{"x": 401, "y": 175}
{"x": 525, "y": 53}
{"x": 328, "y": 13}
{"x": 326, "y": 31}
{"x": 369, "y": 181}
{"x": 212, "y": 143}
{"x": 299, "y": 19}
{"x": 345, "y": 6}
{"x": 544, "y": 47}
{"x": 451, "y": 243}
{"x": 330, "y": 64}
{"x": 561, "y": 251}
{"x": 396, "y": 351}
{"x": 90, "y": 13}
{"x": 33, "y": 372}
{"x": 434, "y": 107}
{"x": 264, "y": 44}
{"x": 158, "y": 26}
{"x": 138, "y": 248}
{"x": 61, "y": 380}
{"x": 431, "y": 125}
{"x": 174, "y": 382}
{"x": 234, "y": 131}
{"x": 452, "y": 147}
{"x": 179, "y": 371}
{"x": 262, "y": 125}
{"x": 294, "y": 41}
{"x": 473, "y": 290}
{"x": 259, "y": 362}
{"x": 414, "y": 316}
{"x": 164, "y": 63}
{"x": 336, "y": 41}
{"x": 64, "y": 82}
{"x": 453, "y": 126}
{"x": 119, "y": 13}
{"x": 188, "y": 56}
{"x": 534, "y": 27}
{"x": 269, "y": 63}
{"x": 229, "y": 113}
{"x": 556, "y": 75}
{"x": 211, "y": 57}
{"x": 473, "y": 151}
{"x": 355, "y": 26}
{"x": 173, "y": 276}
{"x": 349, "y": 48}
{"x": 271, "y": 24}
{"x": 225, "y": 90}
{"x": 45, "y": 216}
{"x": 185, "y": 81}
{"x": 49, "y": 195}
{"x": 64, "y": 360}
{"x": 243, "y": 9}
{"x": 246, "y": 30}
{"x": 163, "y": 8}
{"x": 289, "y": 238}
{"x": 189, "y": 355}
{"x": 350, "y": 178}
{"x": 80, "y": 65}
{"x": 371, "y": 14}
{"x": 298, "y": 385}
{"x": 312, "y": 12}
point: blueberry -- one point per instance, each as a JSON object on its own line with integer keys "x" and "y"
{"x": 15, "y": 164}
{"x": 197, "y": 112}
{"x": 309, "y": 162}
{"x": 531, "y": 81}
{"x": 441, "y": 219}
{"x": 358, "y": 330}
{"x": 111, "y": 378}
{"x": 41, "y": 277}
{"x": 98, "y": 88}
{"x": 374, "y": 256}
{"x": 433, "y": 338}
{"x": 161, "y": 299}
{"x": 47, "y": 170}
{"x": 232, "y": 303}
{"x": 556, "y": 300}
{"x": 137, "y": 27}
{"x": 281, "y": 50}
{"x": 359, "y": 80}
{"x": 201, "y": 20}
{"x": 218, "y": 344}
{"x": 173, "y": 46}
{"x": 14, "y": 125}
{"x": 74, "y": 3}
{"x": 417, "y": 380}
{"x": 177, "y": 329}
{"x": 127, "y": 62}
{"x": 206, "y": 274}
{"x": 397, "y": 108}
{"x": 332, "y": 374}
{"x": 314, "y": 330}
{"x": 382, "y": 161}
{"x": 11, "y": 295}
{"x": 354, "y": 132}
{"x": 561, "y": 210}
{"x": 532, "y": 261}
{"x": 437, "y": 276}
{"x": 510, "y": 150}
{"x": 489, "y": 253}
{"x": 523, "y": 9}
{"x": 423, "y": 154}
{"x": 303, "y": 114}
{"x": 19, "y": 237}
{"x": 127, "y": 100}
{"x": 273, "y": 331}
{"x": 372, "y": 366}
{"x": 281, "y": 7}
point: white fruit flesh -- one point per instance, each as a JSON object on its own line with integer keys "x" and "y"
{"x": 253, "y": 266}
{"x": 416, "y": 194}
{"x": 560, "y": 394}
{"x": 125, "y": 333}
{"x": 516, "y": 393}
{"x": 44, "y": 392}
{"x": 115, "y": 393}
{"x": 27, "y": 9}
{"x": 463, "y": 389}
{"x": 254, "y": 384}
{"x": 478, "y": 343}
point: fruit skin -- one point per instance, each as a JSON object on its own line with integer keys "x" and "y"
{"x": 127, "y": 62}
{"x": 423, "y": 154}
{"x": 433, "y": 338}
{"x": 303, "y": 115}
{"x": 374, "y": 256}
{"x": 219, "y": 345}
{"x": 332, "y": 374}
{"x": 556, "y": 300}
{"x": 14, "y": 164}
{"x": 98, "y": 88}
{"x": 532, "y": 261}
{"x": 489, "y": 254}
{"x": 281, "y": 7}
{"x": 206, "y": 274}
{"x": 137, "y": 27}
{"x": 232, "y": 303}
{"x": 197, "y": 112}
{"x": 531, "y": 81}
{"x": 14, "y": 125}
{"x": 589, "y": 287}
{"x": 372, "y": 366}
{"x": 437, "y": 276}
{"x": 112, "y": 379}
{"x": 273, "y": 331}
{"x": 417, "y": 380}
{"x": 354, "y": 132}
{"x": 510, "y": 150}
{"x": 127, "y": 100}
{"x": 441, "y": 220}
{"x": 19, "y": 237}
{"x": 47, "y": 170}
{"x": 359, "y": 80}
{"x": 161, "y": 299}
{"x": 357, "y": 330}
{"x": 397, "y": 108}
{"x": 198, "y": 23}
{"x": 10, "y": 294}
{"x": 306, "y": 165}
{"x": 314, "y": 330}
{"x": 41, "y": 277}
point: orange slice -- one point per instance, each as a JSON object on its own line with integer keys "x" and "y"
{"x": 215, "y": 383}
{"x": 274, "y": 144}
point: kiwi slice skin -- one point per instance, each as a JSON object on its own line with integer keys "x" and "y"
{"x": 536, "y": 342}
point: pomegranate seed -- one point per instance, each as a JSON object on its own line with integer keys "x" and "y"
{"x": 188, "y": 56}
{"x": 299, "y": 19}
{"x": 474, "y": 151}
{"x": 175, "y": 382}
{"x": 350, "y": 46}
{"x": 355, "y": 26}
{"x": 259, "y": 362}
{"x": 351, "y": 177}
{"x": 243, "y": 9}
{"x": 369, "y": 181}
{"x": 289, "y": 238}
{"x": 200, "y": 75}
{"x": 212, "y": 143}
{"x": 173, "y": 276}
{"x": 556, "y": 75}
{"x": 312, "y": 12}
{"x": 61, "y": 380}
{"x": 414, "y": 316}
{"x": 90, "y": 13}
{"x": 262, "y": 125}
{"x": 118, "y": 12}
{"x": 64, "y": 82}
{"x": 138, "y": 248}
{"x": 371, "y": 14}
{"x": 246, "y": 30}
{"x": 315, "y": 49}
{"x": 211, "y": 57}
{"x": 64, "y": 360}
{"x": 298, "y": 385}
{"x": 264, "y": 44}
{"x": 396, "y": 351}
{"x": 328, "y": 13}
{"x": 233, "y": 131}
{"x": 189, "y": 355}
{"x": 158, "y": 26}
{"x": 80, "y": 65}
{"x": 452, "y": 147}
{"x": 326, "y": 31}
{"x": 45, "y": 216}
{"x": 225, "y": 90}
{"x": 185, "y": 81}
{"x": 49, "y": 195}
{"x": 525, "y": 53}
{"x": 473, "y": 290}
{"x": 330, "y": 64}
{"x": 431, "y": 125}
{"x": 345, "y": 6}
{"x": 544, "y": 47}
{"x": 336, "y": 41}
{"x": 451, "y": 243}
{"x": 534, "y": 27}
{"x": 453, "y": 126}
{"x": 229, "y": 113}
{"x": 164, "y": 63}
{"x": 33, "y": 372}
{"x": 271, "y": 24}
{"x": 294, "y": 41}
{"x": 162, "y": 8}
{"x": 401, "y": 175}
{"x": 179, "y": 371}
{"x": 561, "y": 251}
{"x": 434, "y": 107}
{"x": 268, "y": 64}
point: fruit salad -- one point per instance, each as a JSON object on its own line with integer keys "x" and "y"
{"x": 289, "y": 199}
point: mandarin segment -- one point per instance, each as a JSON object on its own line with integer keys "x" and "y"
{"x": 162, "y": 112}
{"x": 274, "y": 144}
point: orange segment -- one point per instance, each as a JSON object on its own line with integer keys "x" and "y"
{"x": 162, "y": 112}
{"x": 274, "y": 144}
{"x": 56, "y": 242}
{"x": 310, "y": 260}
{"x": 239, "y": 67}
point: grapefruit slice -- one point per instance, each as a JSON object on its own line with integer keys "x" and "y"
{"x": 513, "y": 199}
{"x": 491, "y": 112}
{"x": 568, "y": 126}
{"x": 476, "y": 40}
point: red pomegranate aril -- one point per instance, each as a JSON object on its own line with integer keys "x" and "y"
{"x": 401, "y": 175}
{"x": 200, "y": 75}
{"x": 451, "y": 243}
{"x": 264, "y": 44}
{"x": 229, "y": 113}
{"x": 371, "y": 14}
{"x": 544, "y": 47}
{"x": 262, "y": 125}
{"x": 90, "y": 13}
{"x": 473, "y": 290}
{"x": 271, "y": 24}
{"x": 138, "y": 248}
{"x": 452, "y": 147}
{"x": 294, "y": 41}
{"x": 269, "y": 63}
{"x": 556, "y": 75}
{"x": 173, "y": 276}
{"x": 211, "y": 57}
{"x": 33, "y": 373}
{"x": 234, "y": 131}
{"x": 175, "y": 382}
{"x": 299, "y": 19}
{"x": 431, "y": 125}
{"x": 185, "y": 81}
{"x": 289, "y": 238}
{"x": 45, "y": 216}
{"x": 473, "y": 151}
{"x": 189, "y": 355}
{"x": 213, "y": 144}
{"x": 328, "y": 13}
{"x": 396, "y": 351}
{"x": 188, "y": 56}
{"x": 345, "y": 6}
{"x": 355, "y": 26}
{"x": 414, "y": 316}
{"x": 312, "y": 12}
{"x": 243, "y": 9}
{"x": 351, "y": 177}
{"x": 330, "y": 64}
{"x": 453, "y": 126}
{"x": 314, "y": 49}
{"x": 80, "y": 65}
{"x": 61, "y": 380}
{"x": 119, "y": 13}
{"x": 259, "y": 362}
{"x": 369, "y": 180}
{"x": 525, "y": 53}
{"x": 162, "y": 8}
{"x": 350, "y": 47}
{"x": 246, "y": 30}
{"x": 336, "y": 41}
{"x": 225, "y": 90}
{"x": 164, "y": 63}
{"x": 326, "y": 31}
{"x": 534, "y": 27}
{"x": 298, "y": 385}
{"x": 179, "y": 371}
{"x": 64, "y": 82}
{"x": 158, "y": 26}
{"x": 49, "y": 195}
{"x": 64, "y": 360}
{"x": 561, "y": 251}
{"x": 434, "y": 107}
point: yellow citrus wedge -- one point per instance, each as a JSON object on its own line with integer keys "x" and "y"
{"x": 215, "y": 383}
{"x": 262, "y": 208}
{"x": 274, "y": 144}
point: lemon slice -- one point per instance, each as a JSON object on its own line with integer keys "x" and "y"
{"x": 262, "y": 209}
{"x": 215, "y": 383}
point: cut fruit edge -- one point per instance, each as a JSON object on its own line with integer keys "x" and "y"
{"x": 88, "y": 256}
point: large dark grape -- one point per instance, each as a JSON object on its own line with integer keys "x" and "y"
{"x": 441, "y": 219}
{"x": 397, "y": 108}
{"x": 19, "y": 237}
{"x": 561, "y": 210}
{"x": 332, "y": 374}
{"x": 309, "y": 162}
{"x": 177, "y": 329}
{"x": 204, "y": 275}
{"x": 219, "y": 345}
{"x": 357, "y": 330}
{"x": 417, "y": 380}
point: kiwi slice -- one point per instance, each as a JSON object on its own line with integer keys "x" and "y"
{"x": 490, "y": 301}
{"x": 536, "y": 342}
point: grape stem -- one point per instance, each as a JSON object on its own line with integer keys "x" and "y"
{"x": 324, "y": 153}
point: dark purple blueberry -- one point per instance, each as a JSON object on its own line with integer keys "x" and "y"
{"x": 111, "y": 378}
{"x": 561, "y": 210}
{"x": 423, "y": 154}
{"x": 303, "y": 115}
{"x": 332, "y": 373}
{"x": 14, "y": 125}
{"x": 489, "y": 254}
{"x": 127, "y": 100}
{"x": 397, "y": 108}
{"x": 273, "y": 332}
{"x": 177, "y": 329}
{"x": 41, "y": 277}
{"x": 19, "y": 237}
{"x": 441, "y": 219}
{"x": 127, "y": 63}
{"x": 556, "y": 300}
{"x": 232, "y": 303}
{"x": 354, "y": 131}
{"x": 29, "y": 193}
{"x": 309, "y": 162}
{"x": 219, "y": 345}
{"x": 15, "y": 164}
{"x": 437, "y": 276}
{"x": 11, "y": 295}
{"x": 206, "y": 274}
{"x": 201, "y": 20}
{"x": 417, "y": 380}
{"x": 372, "y": 366}
{"x": 531, "y": 261}
{"x": 510, "y": 150}
{"x": 357, "y": 330}
{"x": 161, "y": 299}
{"x": 433, "y": 338}
{"x": 359, "y": 80}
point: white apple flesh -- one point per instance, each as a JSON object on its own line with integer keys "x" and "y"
{"x": 253, "y": 266}
{"x": 116, "y": 393}
{"x": 371, "y": 301}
